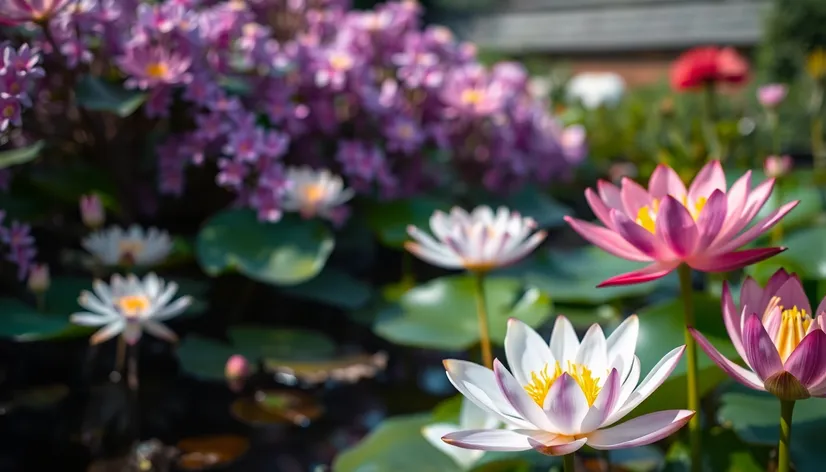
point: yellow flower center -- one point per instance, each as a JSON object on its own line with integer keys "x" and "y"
{"x": 341, "y": 62}
{"x": 542, "y": 381}
{"x": 313, "y": 193}
{"x": 8, "y": 111}
{"x": 133, "y": 305}
{"x": 157, "y": 70}
{"x": 472, "y": 96}
{"x": 647, "y": 215}
{"x": 794, "y": 324}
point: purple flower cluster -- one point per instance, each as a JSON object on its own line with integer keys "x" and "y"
{"x": 391, "y": 106}
{"x": 20, "y": 244}
{"x": 18, "y": 71}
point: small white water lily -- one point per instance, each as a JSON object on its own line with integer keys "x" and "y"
{"x": 564, "y": 395}
{"x": 313, "y": 192}
{"x": 128, "y": 306}
{"x": 596, "y": 88}
{"x": 470, "y": 417}
{"x": 477, "y": 241}
{"x": 116, "y": 246}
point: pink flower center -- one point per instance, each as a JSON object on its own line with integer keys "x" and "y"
{"x": 647, "y": 215}
{"x": 542, "y": 381}
{"x": 472, "y": 96}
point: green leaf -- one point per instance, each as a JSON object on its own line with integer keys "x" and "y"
{"x": 661, "y": 330}
{"x": 529, "y": 201}
{"x": 203, "y": 357}
{"x": 809, "y": 208}
{"x": 806, "y": 256}
{"x": 755, "y": 416}
{"x": 68, "y": 184}
{"x": 18, "y": 156}
{"x": 334, "y": 287}
{"x": 389, "y": 220}
{"x": 93, "y": 93}
{"x": 572, "y": 276}
{"x": 289, "y": 252}
{"x": 723, "y": 451}
{"x": 22, "y": 322}
{"x": 441, "y": 314}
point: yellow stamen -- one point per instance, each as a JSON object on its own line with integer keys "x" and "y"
{"x": 133, "y": 305}
{"x": 647, "y": 215}
{"x": 341, "y": 62}
{"x": 794, "y": 324}
{"x": 542, "y": 381}
{"x": 313, "y": 193}
{"x": 157, "y": 70}
{"x": 472, "y": 96}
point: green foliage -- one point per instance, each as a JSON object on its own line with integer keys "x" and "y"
{"x": 94, "y": 93}
{"x": 21, "y": 155}
{"x": 793, "y": 28}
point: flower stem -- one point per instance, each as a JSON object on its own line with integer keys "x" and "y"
{"x": 777, "y": 230}
{"x": 482, "y": 315}
{"x": 818, "y": 147}
{"x": 568, "y": 463}
{"x": 710, "y": 121}
{"x": 783, "y": 459}
{"x": 694, "y": 430}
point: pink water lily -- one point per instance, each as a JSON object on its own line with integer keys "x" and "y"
{"x": 777, "y": 334}
{"x": 562, "y": 395}
{"x": 668, "y": 225}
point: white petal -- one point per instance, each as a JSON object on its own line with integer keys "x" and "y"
{"x": 108, "y": 332}
{"x": 479, "y": 384}
{"x": 465, "y": 458}
{"x": 90, "y": 302}
{"x": 519, "y": 398}
{"x": 488, "y": 440}
{"x": 630, "y": 382}
{"x": 593, "y": 352}
{"x": 652, "y": 381}
{"x": 473, "y": 417}
{"x": 622, "y": 344}
{"x": 526, "y": 351}
{"x": 177, "y": 307}
{"x": 564, "y": 342}
{"x": 640, "y": 431}
{"x": 604, "y": 404}
{"x": 566, "y": 405}
{"x": 159, "y": 330}
{"x": 90, "y": 319}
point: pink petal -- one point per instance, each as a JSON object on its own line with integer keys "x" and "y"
{"x": 711, "y": 219}
{"x": 566, "y": 405}
{"x": 737, "y": 196}
{"x": 607, "y": 240}
{"x": 807, "y": 363}
{"x": 733, "y": 320}
{"x": 646, "y": 274}
{"x": 610, "y": 194}
{"x": 519, "y": 399}
{"x": 759, "y": 228}
{"x": 600, "y": 209}
{"x": 488, "y": 440}
{"x": 557, "y": 448}
{"x": 733, "y": 260}
{"x": 772, "y": 286}
{"x": 664, "y": 181}
{"x": 676, "y": 227}
{"x": 792, "y": 294}
{"x": 751, "y": 297}
{"x": 604, "y": 404}
{"x": 640, "y": 431}
{"x": 757, "y": 199}
{"x": 736, "y": 372}
{"x": 633, "y": 197}
{"x": 636, "y": 235}
{"x": 711, "y": 178}
{"x": 761, "y": 352}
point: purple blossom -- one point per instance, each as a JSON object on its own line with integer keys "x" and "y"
{"x": 404, "y": 135}
{"x": 148, "y": 66}
{"x": 20, "y": 243}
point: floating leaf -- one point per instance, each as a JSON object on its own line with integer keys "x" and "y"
{"x": 722, "y": 452}
{"x": 333, "y": 287}
{"x": 531, "y": 202}
{"x": 273, "y": 407}
{"x": 68, "y": 184}
{"x": 441, "y": 314}
{"x": 289, "y": 252}
{"x": 18, "y": 156}
{"x": 806, "y": 255}
{"x": 23, "y": 322}
{"x": 389, "y": 220}
{"x": 94, "y": 93}
{"x": 204, "y": 453}
{"x": 203, "y": 357}
{"x": 347, "y": 369}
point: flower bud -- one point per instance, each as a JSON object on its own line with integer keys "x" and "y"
{"x": 777, "y": 166}
{"x": 772, "y": 95}
{"x": 91, "y": 211}
{"x": 236, "y": 372}
{"x": 39, "y": 279}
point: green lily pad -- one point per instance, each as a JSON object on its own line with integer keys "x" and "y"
{"x": 661, "y": 330}
{"x": 204, "y": 357}
{"x": 806, "y": 255}
{"x": 723, "y": 451}
{"x": 22, "y": 322}
{"x": 289, "y": 252}
{"x": 755, "y": 416}
{"x": 334, "y": 287}
{"x": 531, "y": 202}
{"x": 809, "y": 208}
{"x": 94, "y": 93}
{"x": 441, "y": 314}
{"x": 23, "y": 155}
{"x": 68, "y": 184}
{"x": 572, "y": 276}
{"x": 389, "y": 220}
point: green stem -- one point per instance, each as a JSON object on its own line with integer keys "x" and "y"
{"x": 818, "y": 148}
{"x": 777, "y": 230}
{"x": 568, "y": 463}
{"x": 408, "y": 280}
{"x": 710, "y": 121}
{"x": 482, "y": 315}
{"x": 694, "y": 430}
{"x": 783, "y": 459}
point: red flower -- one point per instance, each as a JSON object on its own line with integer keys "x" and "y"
{"x": 699, "y": 66}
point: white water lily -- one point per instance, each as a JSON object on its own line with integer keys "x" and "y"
{"x": 135, "y": 246}
{"x": 596, "y": 88}
{"x": 470, "y": 417}
{"x": 477, "y": 241}
{"x": 313, "y": 192}
{"x": 565, "y": 394}
{"x": 128, "y": 305}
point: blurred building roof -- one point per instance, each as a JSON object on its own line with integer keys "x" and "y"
{"x": 566, "y": 26}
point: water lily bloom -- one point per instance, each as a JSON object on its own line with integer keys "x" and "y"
{"x": 91, "y": 211}
{"x": 20, "y": 11}
{"x": 596, "y": 89}
{"x": 777, "y": 166}
{"x": 778, "y": 335}
{"x": 135, "y": 246}
{"x": 236, "y": 372}
{"x": 668, "y": 225}
{"x": 772, "y": 95}
{"x": 313, "y": 192}
{"x": 562, "y": 395}
{"x": 128, "y": 305}
{"x": 477, "y": 241}
{"x": 470, "y": 417}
